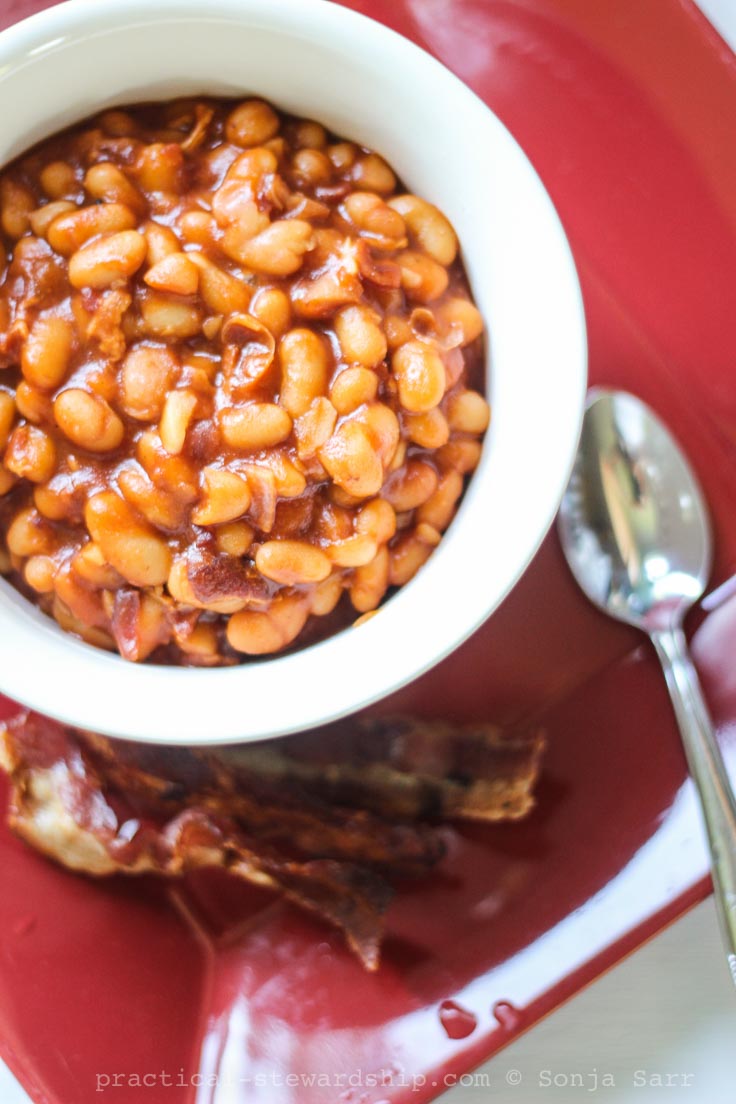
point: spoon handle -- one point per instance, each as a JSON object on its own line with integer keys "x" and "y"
{"x": 709, "y": 774}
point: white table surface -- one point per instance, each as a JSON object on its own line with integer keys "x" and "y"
{"x": 657, "y": 1029}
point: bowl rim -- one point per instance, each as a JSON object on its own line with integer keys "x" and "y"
{"x": 80, "y": 681}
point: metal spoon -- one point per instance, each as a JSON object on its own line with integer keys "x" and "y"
{"x": 635, "y": 530}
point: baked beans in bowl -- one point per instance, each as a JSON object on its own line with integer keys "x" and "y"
{"x": 251, "y": 331}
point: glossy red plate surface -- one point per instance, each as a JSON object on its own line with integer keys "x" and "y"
{"x": 218, "y": 993}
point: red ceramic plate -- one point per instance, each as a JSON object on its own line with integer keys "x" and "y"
{"x": 213, "y": 992}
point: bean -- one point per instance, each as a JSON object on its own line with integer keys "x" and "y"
{"x": 422, "y": 278}
{"x": 461, "y": 454}
{"x": 272, "y": 306}
{"x": 47, "y": 351}
{"x": 255, "y": 425}
{"x": 276, "y": 251}
{"x": 161, "y": 241}
{"x": 30, "y": 454}
{"x": 376, "y": 220}
{"x": 89, "y": 564}
{"x": 468, "y": 412}
{"x": 163, "y": 509}
{"x": 42, "y": 217}
{"x": 197, "y": 228}
{"x": 372, "y": 174}
{"x": 406, "y": 557}
{"x": 313, "y": 428}
{"x": 304, "y": 362}
{"x": 411, "y": 486}
{"x": 377, "y": 519}
{"x": 352, "y": 388}
{"x": 39, "y": 573}
{"x": 223, "y": 293}
{"x": 251, "y": 123}
{"x": 327, "y": 594}
{"x": 68, "y": 233}
{"x": 459, "y": 316}
{"x": 352, "y": 461}
{"x": 362, "y": 341}
{"x": 16, "y": 204}
{"x": 146, "y": 376}
{"x": 29, "y": 534}
{"x": 175, "y": 274}
{"x": 432, "y": 231}
{"x": 370, "y": 582}
{"x": 354, "y": 551}
{"x": 226, "y": 497}
{"x": 160, "y": 167}
{"x": 127, "y": 542}
{"x": 179, "y": 407}
{"x": 165, "y": 317}
{"x": 256, "y": 633}
{"x": 308, "y": 134}
{"x": 34, "y": 404}
{"x": 439, "y": 508}
{"x": 310, "y": 168}
{"x": 234, "y": 538}
{"x": 292, "y": 562}
{"x": 58, "y": 180}
{"x": 420, "y": 373}
{"x": 108, "y": 260}
{"x": 383, "y": 429}
{"x": 105, "y": 181}
{"x": 429, "y": 430}
{"x": 88, "y": 420}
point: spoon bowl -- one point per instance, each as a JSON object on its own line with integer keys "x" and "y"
{"x": 633, "y": 522}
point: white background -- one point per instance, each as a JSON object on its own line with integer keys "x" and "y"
{"x": 669, "y": 1009}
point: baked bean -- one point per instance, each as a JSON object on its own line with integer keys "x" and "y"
{"x": 179, "y": 407}
{"x": 422, "y": 278}
{"x": 272, "y": 306}
{"x": 304, "y": 361}
{"x": 88, "y": 421}
{"x": 175, "y": 274}
{"x": 255, "y": 397}
{"x": 42, "y": 217}
{"x": 255, "y": 426}
{"x": 105, "y": 181}
{"x": 234, "y": 538}
{"x": 29, "y": 534}
{"x": 161, "y": 242}
{"x": 314, "y": 427}
{"x": 47, "y": 351}
{"x": 372, "y": 174}
{"x": 354, "y": 551}
{"x": 221, "y": 292}
{"x": 130, "y": 545}
{"x": 251, "y": 124}
{"x": 370, "y": 582}
{"x": 165, "y": 317}
{"x": 160, "y": 167}
{"x": 146, "y": 376}
{"x": 16, "y": 205}
{"x": 429, "y": 430}
{"x": 7, "y": 416}
{"x": 429, "y": 227}
{"x": 69, "y": 232}
{"x": 256, "y": 633}
{"x": 352, "y": 461}
{"x": 291, "y": 562}
{"x": 163, "y": 509}
{"x": 58, "y": 180}
{"x": 352, "y": 388}
{"x": 362, "y": 341}
{"x": 276, "y": 251}
{"x": 460, "y": 316}
{"x": 462, "y": 454}
{"x": 411, "y": 486}
{"x": 468, "y": 412}
{"x": 30, "y": 454}
{"x": 226, "y": 497}
{"x": 107, "y": 260}
{"x": 439, "y": 508}
{"x": 420, "y": 373}
{"x": 39, "y": 573}
{"x": 373, "y": 217}
{"x": 377, "y": 519}
{"x": 406, "y": 557}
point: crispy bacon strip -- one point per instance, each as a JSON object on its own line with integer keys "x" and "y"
{"x": 61, "y": 805}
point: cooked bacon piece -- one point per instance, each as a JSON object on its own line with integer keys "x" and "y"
{"x": 320, "y": 816}
{"x": 62, "y": 806}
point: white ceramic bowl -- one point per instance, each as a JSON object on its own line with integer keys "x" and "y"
{"x": 364, "y": 82}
